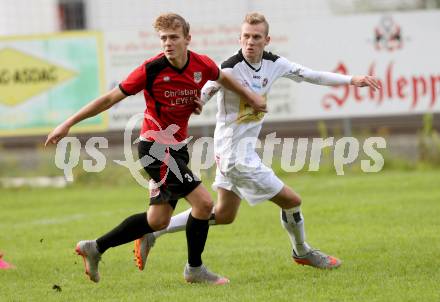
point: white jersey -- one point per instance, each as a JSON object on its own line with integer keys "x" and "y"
{"x": 238, "y": 127}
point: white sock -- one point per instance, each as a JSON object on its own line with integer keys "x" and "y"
{"x": 293, "y": 222}
{"x": 178, "y": 223}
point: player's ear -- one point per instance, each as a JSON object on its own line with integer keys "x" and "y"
{"x": 267, "y": 40}
{"x": 188, "y": 39}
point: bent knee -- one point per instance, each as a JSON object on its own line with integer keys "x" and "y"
{"x": 224, "y": 215}
{"x": 204, "y": 207}
{"x": 159, "y": 223}
{"x": 293, "y": 200}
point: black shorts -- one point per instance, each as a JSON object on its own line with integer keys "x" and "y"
{"x": 168, "y": 168}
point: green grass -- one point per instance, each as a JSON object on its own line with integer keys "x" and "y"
{"x": 385, "y": 227}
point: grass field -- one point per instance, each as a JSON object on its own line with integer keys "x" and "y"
{"x": 385, "y": 227}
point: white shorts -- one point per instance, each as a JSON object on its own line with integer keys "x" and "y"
{"x": 255, "y": 186}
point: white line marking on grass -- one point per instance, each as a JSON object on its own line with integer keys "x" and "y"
{"x": 59, "y": 220}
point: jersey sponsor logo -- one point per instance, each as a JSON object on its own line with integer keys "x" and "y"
{"x": 181, "y": 96}
{"x": 257, "y": 77}
{"x": 197, "y": 77}
{"x": 246, "y": 113}
{"x": 180, "y": 92}
{"x": 182, "y": 101}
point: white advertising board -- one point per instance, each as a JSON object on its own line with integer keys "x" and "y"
{"x": 401, "y": 49}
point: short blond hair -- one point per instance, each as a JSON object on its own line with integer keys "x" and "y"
{"x": 171, "y": 21}
{"x": 256, "y": 18}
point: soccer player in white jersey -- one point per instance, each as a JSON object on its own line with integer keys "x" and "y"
{"x": 240, "y": 172}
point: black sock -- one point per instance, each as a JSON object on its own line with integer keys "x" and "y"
{"x": 196, "y": 234}
{"x": 130, "y": 229}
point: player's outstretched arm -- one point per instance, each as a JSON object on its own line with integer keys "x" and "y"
{"x": 334, "y": 79}
{"x": 254, "y": 100}
{"x": 95, "y": 107}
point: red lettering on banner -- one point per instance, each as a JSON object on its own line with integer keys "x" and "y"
{"x": 401, "y": 83}
{"x": 415, "y": 81}
{"x": 404, "y": 88}
{"x": 389, "y": 80}
{"x": 434, "y": 90}
{"x": 357, "y": 96}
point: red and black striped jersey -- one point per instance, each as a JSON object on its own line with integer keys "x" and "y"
{"x": 169, "y": 92}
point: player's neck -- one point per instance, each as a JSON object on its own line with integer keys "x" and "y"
{"x": 179, "y": 62}
{"x": 255, "y": 60}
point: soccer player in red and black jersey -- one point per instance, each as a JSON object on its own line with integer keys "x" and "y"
{"x": 171, "y": 83}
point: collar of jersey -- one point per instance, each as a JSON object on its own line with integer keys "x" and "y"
{"x": 178, "y": 70}
{"x": 240, "y": 53}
